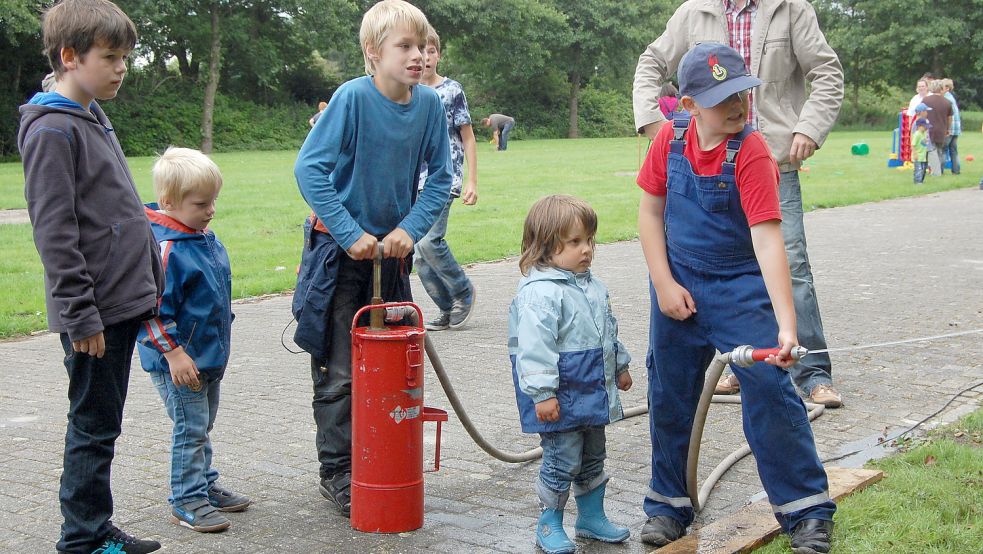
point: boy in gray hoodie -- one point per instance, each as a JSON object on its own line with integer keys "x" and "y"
{"x": 102, "y": 269}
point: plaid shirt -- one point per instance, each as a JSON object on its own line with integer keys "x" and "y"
{"x": 740, "y": 24}
{"x": 957, "y": 125}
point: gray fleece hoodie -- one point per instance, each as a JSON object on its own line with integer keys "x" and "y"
{"x": 101, "y": 263}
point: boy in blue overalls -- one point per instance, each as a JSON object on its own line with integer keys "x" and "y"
{"x": 709, "y": 223}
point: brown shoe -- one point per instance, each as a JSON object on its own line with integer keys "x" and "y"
{"x": 826, "y": 395}
{"x": 728, "y": 385}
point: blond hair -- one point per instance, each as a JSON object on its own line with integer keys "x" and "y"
{"x": 82, "y": 24}
{"x": 935, "y": 85}
{"x": 182, "y": 171}
{"x": 381, "y": 19}
{"x": 947, "y": 83}
{"x": 549, "y": 221}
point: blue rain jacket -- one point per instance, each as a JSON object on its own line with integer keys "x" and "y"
{"x": 563, "y": 343}
{"x": 196, "y": 308}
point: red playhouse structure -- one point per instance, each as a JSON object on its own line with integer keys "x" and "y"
{"x": 901, "y": 143}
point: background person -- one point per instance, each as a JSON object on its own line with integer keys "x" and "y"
{"x": 956, "y": 129}
{"x": 795, "y": 108}
{"x": 442, "y": 277}
{"x": 501, "y": 126}
{"x": 940, "y": 118}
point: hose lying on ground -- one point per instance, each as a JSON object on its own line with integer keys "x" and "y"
{"x": 698, "y": 495}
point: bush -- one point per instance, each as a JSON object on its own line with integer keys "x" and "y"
{"x": 605, "y": 113}
{"x": 876, "y": 107}
{"x": 149, "y": 116}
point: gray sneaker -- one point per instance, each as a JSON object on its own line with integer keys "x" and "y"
{"x": 462, "y": 310}
{"x": 199, "y": 515}
{"x": 226, "y": 500}
{"x": 439, "y": 323}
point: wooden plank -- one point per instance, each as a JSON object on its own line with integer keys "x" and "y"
{"x": 754, "y": 526}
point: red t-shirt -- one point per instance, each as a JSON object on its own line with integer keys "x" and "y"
{"x": 756, "y": 172}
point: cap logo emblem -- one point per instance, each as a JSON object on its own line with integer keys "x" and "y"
{"x": 718, "y": 71}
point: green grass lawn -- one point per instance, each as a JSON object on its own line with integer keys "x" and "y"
{"x": 930, "y": 501}
{"x": 261, "y": 212}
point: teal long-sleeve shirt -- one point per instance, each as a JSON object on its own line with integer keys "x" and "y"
{"x": 358, "y": 167}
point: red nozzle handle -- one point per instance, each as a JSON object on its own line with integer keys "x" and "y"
{"x": 745, "y": 356}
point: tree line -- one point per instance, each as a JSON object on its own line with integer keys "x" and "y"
{"x": 246, "y": 74}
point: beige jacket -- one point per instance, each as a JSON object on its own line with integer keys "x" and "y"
{"x": 787, "y": 50}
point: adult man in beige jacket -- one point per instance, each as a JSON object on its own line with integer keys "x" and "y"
{"x": 787, "y": 50}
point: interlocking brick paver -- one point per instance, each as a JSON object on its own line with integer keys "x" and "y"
{"x": 884, "y": 271}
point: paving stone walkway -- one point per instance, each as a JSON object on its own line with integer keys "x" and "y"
{"x": 884, "y": 271}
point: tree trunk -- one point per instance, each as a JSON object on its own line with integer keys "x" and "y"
{"x": 211, "y": 87}
{"x": 574, "y": 97}
{"x": 182, "y": 63}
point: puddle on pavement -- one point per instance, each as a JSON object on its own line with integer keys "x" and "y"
{"x": 870, "y": 448}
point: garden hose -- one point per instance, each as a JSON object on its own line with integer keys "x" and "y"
{"x": 698, "y": 495}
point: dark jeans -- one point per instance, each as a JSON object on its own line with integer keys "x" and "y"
{"x": 96, "y": 393}
{"x": 332, "y": 376}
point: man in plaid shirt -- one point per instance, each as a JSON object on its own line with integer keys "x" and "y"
{"x": 782, "y": 45}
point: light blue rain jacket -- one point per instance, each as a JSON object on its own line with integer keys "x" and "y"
{"x": 563, "y": 343}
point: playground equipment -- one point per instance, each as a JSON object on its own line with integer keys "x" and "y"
{"x": 901, "y": 143}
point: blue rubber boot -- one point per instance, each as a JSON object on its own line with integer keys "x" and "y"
{"x": 592, "y": 523}
{"x": 550, "y": 535}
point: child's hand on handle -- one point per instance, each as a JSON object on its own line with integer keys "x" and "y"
{"x": 675, "y": 301}
{"x": 786, "y": 340}
{"x": 93, "y": 346}
{"x": 548, "y": 410}
{"x": 398, "y": 244}
{"x": 184, "y": 371}
{"x": 364, "y": 248}
{"x": 624, "y": 381}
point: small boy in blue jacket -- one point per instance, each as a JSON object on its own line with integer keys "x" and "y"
{"x": 567, "y": 366}
{"x": 186, "y": 348}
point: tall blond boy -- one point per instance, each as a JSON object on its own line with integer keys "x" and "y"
{"x": 101, "y": 263}
{"x": 358, "y": 172}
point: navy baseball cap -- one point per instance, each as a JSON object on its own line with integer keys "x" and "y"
{"x": 710, "y": 72}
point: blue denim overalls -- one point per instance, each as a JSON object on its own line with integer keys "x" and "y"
{"x": 710, "y": 253}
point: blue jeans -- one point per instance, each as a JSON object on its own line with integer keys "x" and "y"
{"x": 503, "y": 136}
{"x": 96, "y": 393}
{"x": 571, "y": 458}
{"x": 920, "y": 171}
{"x": 952, "y": 149}
{"x": 442, "y": 276}
{"x": 193, "y": 414}
{"x": 818, "y": 370}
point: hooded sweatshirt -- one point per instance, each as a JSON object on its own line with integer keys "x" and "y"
{"x": 101, "y": 262}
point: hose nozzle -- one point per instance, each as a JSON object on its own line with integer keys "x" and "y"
{"x": 747, "y": 355}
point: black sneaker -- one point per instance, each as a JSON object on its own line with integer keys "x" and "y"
{"x": 811, "y": 536}
{"x": 338, "y": 489}
{"x": 662, "y": 530}
{"x": 118, "y": 542}
{"x": 439, "y": 323}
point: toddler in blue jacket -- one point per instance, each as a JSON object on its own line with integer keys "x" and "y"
{"x": 186, "y": 348}
{"x": 567, "y": 366}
